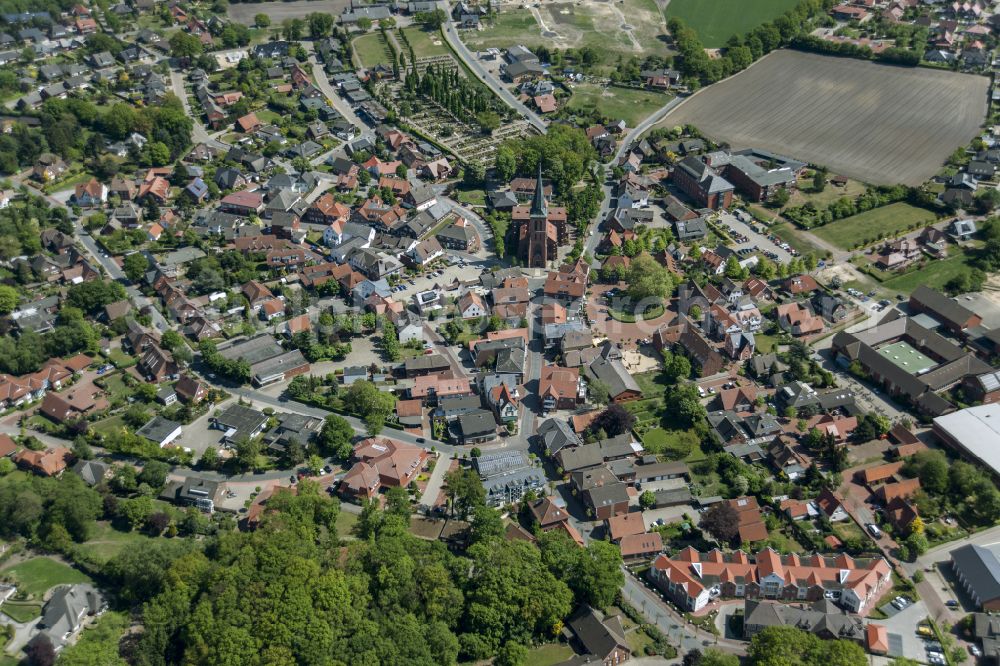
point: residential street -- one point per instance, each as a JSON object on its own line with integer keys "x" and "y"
{"x": 680, "y": 634}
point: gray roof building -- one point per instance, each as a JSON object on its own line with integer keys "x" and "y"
{"x": 556, "y": 435}
{"x": 65, "y": 612}
{"x": 977, "y": 569}
{"x": 240, "y": 421}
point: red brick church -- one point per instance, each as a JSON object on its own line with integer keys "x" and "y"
{"x": 541, "y": 229}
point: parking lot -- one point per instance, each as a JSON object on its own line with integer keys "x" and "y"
{"x": 741, "y": 228}
{"x": 670, "y": 514}
{"x": 902, "y": 631}
{"x": 468, "y": 272}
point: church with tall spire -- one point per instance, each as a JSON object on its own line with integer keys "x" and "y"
{"x": 541, "y": 229}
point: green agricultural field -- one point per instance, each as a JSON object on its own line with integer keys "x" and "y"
{"x": 888, "y": 220}
{"x": 371, "y": 50}
{"x": 613, "y": 102}
{"x": 423, "y": 42}
{"x": 40, "y": 574}
{"x": 716, "y": 21}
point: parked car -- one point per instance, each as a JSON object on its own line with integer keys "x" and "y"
{"x": 874, "y": 530}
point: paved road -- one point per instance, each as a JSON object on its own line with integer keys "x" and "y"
{"x": 636, "y": 132}
{"x": 199, "y": 134}
{"x": 469, "y": 58}
{"x": 684, "y": 636}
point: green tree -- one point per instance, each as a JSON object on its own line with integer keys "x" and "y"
{"x": 716, "y": 657}
{"x": 464, "y": 490}
{"x": 261, "y": 20}
{"x": 335, "y": 433}
{"x": 8, "y": 299}
{"x": 511, "y": 654}
{"x": 647, "y": 500}
{"x": 184, "y": 45}
{"x": 599, "y": 392}
{"x": 648, "y": 279}
{"x": 154, "y": 473}
{"x": 135, "y": 266}
{"x": 320, "y": 24}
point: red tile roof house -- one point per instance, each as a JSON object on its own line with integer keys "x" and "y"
{"x": 248, "y": 123}
{"x": 242, "y": 203}
{"x": 559, "y": 388}
{"x": 381, "y": 462}
{"x": 190, "y": 390}
{"x": 7, "y": 446}
{"x": 627, "y": 524}
{"x": 692, "y": 578}
{"x": 430, "y": 388}
{"x": 636, "y": 547}
{"x": 50, "y": 462}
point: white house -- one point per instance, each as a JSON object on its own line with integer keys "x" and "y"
{"x": 339, "y": 233}
{"x": 471, "y": 305}
{"x": 412, "y": 329}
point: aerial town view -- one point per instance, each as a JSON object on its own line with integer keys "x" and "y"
{"x": 499, "y": 332}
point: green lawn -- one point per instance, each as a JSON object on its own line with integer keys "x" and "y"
{"x": 888, "y": 220}
{"x": 268, "y": 116}
{"x": 345, "y": 523}
{"x": 673, "y": 444}
{"x": 115, "y": 385}
{"x": 21, "y": 612}
{"x": 509, "y": 27}
{"x": 371, "y": 50}
{"x": 765, "y": 343}
{"x": 40, "y": 574}
{"x": 120, "y": 359}
{"x": 549, "y": 655}
{"x": 110, "y": 424}
{"x": 579, "y": 25}
{"x": 425, "y": 43}
{"x": 471, "y": 197}
{"x": 616, "y": 103}
{"x": 106, "y": 541}
{"x": 716, "y": 21}
{"x": 934, "y": 274}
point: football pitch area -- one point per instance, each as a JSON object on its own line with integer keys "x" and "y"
{"x": 903, "y": 355}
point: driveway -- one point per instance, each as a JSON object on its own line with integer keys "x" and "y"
{"x": 429, "y": 499}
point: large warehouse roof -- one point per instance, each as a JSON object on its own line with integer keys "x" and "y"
{"x": 976, "y": 430}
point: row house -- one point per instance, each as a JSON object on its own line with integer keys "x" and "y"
{"x": 692, "y": 579}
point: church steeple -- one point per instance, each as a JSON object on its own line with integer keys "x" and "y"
{"x": 538, "y": 207}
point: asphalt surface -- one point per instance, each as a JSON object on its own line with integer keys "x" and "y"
{"x": 680, "y": 634}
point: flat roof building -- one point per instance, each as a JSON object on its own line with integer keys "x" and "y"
{"x": 975, "y": 432}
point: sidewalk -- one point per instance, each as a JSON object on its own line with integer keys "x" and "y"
{"x": 433, "y": 489}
